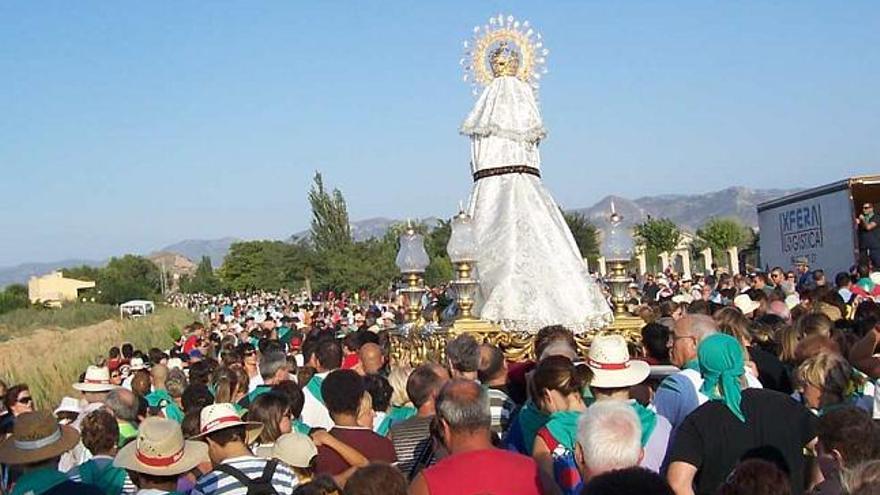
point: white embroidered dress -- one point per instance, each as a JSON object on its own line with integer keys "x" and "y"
{"x": 530, "y": 270}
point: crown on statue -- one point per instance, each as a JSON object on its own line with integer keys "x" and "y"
{"x": 504, "y": 60}
{"x": 504, "y": 47}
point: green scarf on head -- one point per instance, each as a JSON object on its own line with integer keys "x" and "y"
{"x": 722, "y": 365}
{"x": 648, "y": 418}
{"x": 563, "y": 425}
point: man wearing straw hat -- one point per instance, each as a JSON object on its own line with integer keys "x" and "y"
{"x": 94, "y": 387}
{"x": 159, "y": 456}
{"x": 235, "y": 467}
{"x": 34, "y": 448}
{"x": 614, "y": 375}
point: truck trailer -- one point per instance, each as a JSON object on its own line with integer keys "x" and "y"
{"x": 816, "y": 224}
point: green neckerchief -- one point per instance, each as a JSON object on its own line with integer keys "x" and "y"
{"x": 395, "y": 415}
{"x": 284, "y": 334}
{"x": 648, "y": 418}
{"x": 314, "y": 387}
{"x": 39, "y": 481}
{"x": 109, "y": 479}
{"x": 301, "y": 427}
{"x": 163, "y": 400}
{"x": 127, "y": 433}
{"x": 563, "y": 425}
{"x": 531, "y": 419}
{"x": 258, "y": 391}
{"x": 693, "y": 364}
{"x": 722, "y": 365}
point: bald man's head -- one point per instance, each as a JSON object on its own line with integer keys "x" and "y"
{"x": 464, "y": 406}
{"x": 686, "y": 335}
{"x": 159, "y": 373}
{"x": 697, "y": 326}
{"x": 371, "y": 357}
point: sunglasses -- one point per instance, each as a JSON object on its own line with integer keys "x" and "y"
{"x": 867, "y": 207}
{"x": 25, "y": 400}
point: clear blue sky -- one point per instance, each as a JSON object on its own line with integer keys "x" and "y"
{"x": 126, "y": 126}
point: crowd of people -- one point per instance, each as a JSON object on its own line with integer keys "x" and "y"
{"x": 750, "y": 384}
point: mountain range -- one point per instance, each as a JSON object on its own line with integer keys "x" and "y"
{"x": 689, "y": 211}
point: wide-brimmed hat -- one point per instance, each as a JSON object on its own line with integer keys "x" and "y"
{"x": 612, "y": 368}
{"x": 745, "y": 304}
{"x": 220, "y": 416}
{"x": 160, "y": 450}
{"x": 97, "y": 379}
{"x": 36, "y": 436}
{"x": 174, "y": 363}
{"x": 68, "y": 404}
{"x": 295, "y": 449}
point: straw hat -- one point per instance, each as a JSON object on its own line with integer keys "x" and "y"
{"x": 294, "y": 449}
{"x": 68, "y": 404}
{"x": 160, "y": 450}
{"x": 612, "y": 368}
{"x": 175, "y": 363}
{"x": 218, "y": 417}
{"x": 36, "y": 436}
{"x": 745, "y": 304}
{"x": 97, "y": 379}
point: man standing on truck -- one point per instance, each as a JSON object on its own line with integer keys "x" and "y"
{"x": 869, "y": 235}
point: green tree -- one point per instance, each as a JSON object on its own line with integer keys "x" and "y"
{"x": 722, "y": 233}
{"x": 83, "y": 272}
{"x": 126, "y": 278}
{"x": 330, "y": 224}
{"x": 657, "y": 236}
{"x": 203, "y": 280}
{"x": 253, "y": 265}
{"x": 585, "y": 234}
{"x": 440, "y": 270}
{"x": 14, "y": 296}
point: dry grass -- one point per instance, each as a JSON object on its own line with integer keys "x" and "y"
{"x": 49, "y": 361}
{"x": 24, "y": 321}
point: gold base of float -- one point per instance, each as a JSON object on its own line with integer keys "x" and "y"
{"x": 416, "y": 344}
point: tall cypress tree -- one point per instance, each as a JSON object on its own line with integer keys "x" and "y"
{"x": 330, "y": 225}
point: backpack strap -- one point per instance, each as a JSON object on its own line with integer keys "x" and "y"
{"x": 235, "y": 473}
{"x": 268, "y": 472}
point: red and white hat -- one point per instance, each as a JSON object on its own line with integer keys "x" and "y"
{"x": 220, "y": 416}
{"x": 612, "y": 368}
{"x": 160, "y": 450}
{"x": 97, "y": 379}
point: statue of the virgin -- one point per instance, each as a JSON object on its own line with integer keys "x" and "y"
{"x": 530, "y": 270}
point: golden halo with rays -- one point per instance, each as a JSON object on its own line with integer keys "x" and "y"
{"x": 519, "y": 36}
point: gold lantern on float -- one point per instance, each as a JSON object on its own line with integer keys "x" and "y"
{"x": 412, "y": 260}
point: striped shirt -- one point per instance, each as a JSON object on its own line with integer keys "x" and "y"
{"x": 220, "y": 483}
{"x": 412, "y": 443}
{"x": 501, "y": 408}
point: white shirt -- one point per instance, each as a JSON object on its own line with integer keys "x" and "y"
{"x": 314, "y": 412}
{"x": 255, "y": 381}
{"x": 79, "y": 453}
